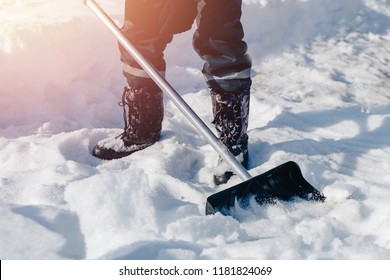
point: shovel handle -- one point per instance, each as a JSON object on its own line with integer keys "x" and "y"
{"x": 155, "y": 75}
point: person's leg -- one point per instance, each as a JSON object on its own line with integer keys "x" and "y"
{"x": 150, "y": 26}
{"x": 219, "y": 41}
{"x": 142, "y": 28}
{"x": 142, "y": 100}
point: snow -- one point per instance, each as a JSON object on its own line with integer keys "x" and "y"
{"x": 320, "y": 97}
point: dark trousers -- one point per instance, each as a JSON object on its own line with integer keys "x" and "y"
{"x": 151, "y": 24}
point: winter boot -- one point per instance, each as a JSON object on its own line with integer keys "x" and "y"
{"x": 142, "y": 119}
{"x": 231, "y": 111}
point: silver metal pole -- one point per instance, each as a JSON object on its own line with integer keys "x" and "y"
{"x": 170, "y": 91}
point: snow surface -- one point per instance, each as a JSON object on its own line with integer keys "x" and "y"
{"x": 320, "y": 97}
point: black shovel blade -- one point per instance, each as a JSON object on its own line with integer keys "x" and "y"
{"x": 280, "y": 183}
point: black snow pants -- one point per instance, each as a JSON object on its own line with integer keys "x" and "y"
{"x": 218, "y": 39}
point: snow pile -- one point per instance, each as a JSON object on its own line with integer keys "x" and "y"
{"x": 320, "y": 97}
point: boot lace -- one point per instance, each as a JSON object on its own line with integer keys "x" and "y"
{"x": 123, "y": 104}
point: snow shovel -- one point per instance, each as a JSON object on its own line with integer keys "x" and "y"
{"x": 283, "y": 182}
